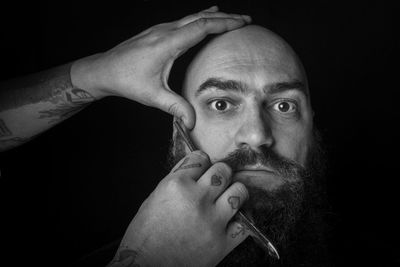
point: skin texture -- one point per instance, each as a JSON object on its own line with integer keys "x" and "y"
{"x": 136, "y": 69}
{"x": 257, "y": 59}
{"x": 186, "y": 221}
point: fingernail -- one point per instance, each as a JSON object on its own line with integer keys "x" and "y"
{"x": 202, "y": 154}
{"x": 246, "y": 18}
{"x": 184, "y": 121}
{"x": 237, "y": 16}
{"x": 212, "y": 9}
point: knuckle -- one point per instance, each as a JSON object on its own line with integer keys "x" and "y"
{"x": 202, "y": 14}
{"x": 242, "y": 190}
{"x": 224, "y": 169}
{"x": 155, "y": 36}
{"x": 159, "y": 27}
{"x": 188, "y": 17}
{"x": 173, "y": 109}
{"x": 173, "y": 185}
{"x": 201, "y": 22}
{"x": 217, "y": 178}
{"x": 201, "y": 156}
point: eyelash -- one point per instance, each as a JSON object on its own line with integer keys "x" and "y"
{"x": 291, "y": 101}
{"x": 230, "y": 102}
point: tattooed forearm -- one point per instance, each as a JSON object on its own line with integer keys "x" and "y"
{"x": 4, "y": 131}
{"x": 184, "y": 165}
{"x": 6, "y": 137}
{"x": 74, "y": 101}
{"x": 234, "y": 201}
{"x": 12, "y": 142}
{"x": 32, "y": 104}
{"x": 36, "y": 88}
{"x": 125, "y": 258}
{"x": 216, "y": 180}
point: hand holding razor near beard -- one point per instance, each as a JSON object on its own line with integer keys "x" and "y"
{"x": 187, "y": 219}
{"x": 261, "y": 239}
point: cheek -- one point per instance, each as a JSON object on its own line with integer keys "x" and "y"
{"x": 213, "y": 139}
{"x": 294, "y": 143}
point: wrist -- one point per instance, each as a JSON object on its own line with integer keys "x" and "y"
{"x": 84, "y": 75}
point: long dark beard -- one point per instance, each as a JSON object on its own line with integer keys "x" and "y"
{"x": 290, "y": 215}
{"x": 274, "y": 211}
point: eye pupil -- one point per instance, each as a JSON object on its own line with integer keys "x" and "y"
{"x": 284, "y": 106}
{"x": 220, "y": 105}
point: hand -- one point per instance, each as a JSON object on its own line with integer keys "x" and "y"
{"x": 186, "y": 221}
{"x": 139, "y": 67}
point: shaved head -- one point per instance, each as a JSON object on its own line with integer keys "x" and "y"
{"x": 247, "y": 46}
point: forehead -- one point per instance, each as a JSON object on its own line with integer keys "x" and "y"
{"x": 255, "y": 57}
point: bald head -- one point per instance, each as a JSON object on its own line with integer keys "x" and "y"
{"x": 245, "y": 50}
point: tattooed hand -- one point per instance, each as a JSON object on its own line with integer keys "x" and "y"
{"x": 139, "y": 67}
{"x": 187, "y": 220}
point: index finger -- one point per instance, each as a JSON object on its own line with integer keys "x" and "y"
{"x": 191, "y": 167}
{"x": 194, "y": 32}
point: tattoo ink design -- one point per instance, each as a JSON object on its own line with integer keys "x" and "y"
{"x": 234, "y": 201}
{"x": 4, "y": 131}
{"x": 241, "y": 231}
{"x": 14, "y": 141}
{"x": 7, "y": 139}
{"x": 76, "y": 100}
{"x": 125, "y": 258}
{"x": 189, "y": 166}
{"x": 216, "y": 180}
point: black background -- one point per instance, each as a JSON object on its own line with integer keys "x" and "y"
{"x": 75, "y": 188}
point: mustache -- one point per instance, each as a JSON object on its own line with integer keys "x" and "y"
{"x": 284, "y": 167}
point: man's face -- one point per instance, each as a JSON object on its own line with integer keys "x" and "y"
{"x": 249, "y": 91}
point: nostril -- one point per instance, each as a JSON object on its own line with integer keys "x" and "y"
{"x": 253, "y": 135}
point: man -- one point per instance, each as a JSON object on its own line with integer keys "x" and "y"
{"x": 253, "y": 112}
{"x": 253, "y": 124}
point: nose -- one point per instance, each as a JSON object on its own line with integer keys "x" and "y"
{"x": 255, "y": 131}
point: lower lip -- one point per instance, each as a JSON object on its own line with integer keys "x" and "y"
{"x": 256, "y": 173}
{"x": 260, "y": 178}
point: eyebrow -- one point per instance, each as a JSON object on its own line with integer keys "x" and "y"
{"x": 239, "y": 87}
{"x": 286, "y": 86}
{"x": 224, "y": 85}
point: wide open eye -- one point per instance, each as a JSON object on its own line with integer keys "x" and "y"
{"x": 285, "y": 106}
{"x": 220, "y": 105}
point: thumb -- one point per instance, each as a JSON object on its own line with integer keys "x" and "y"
{"x": 177, "y": 106}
